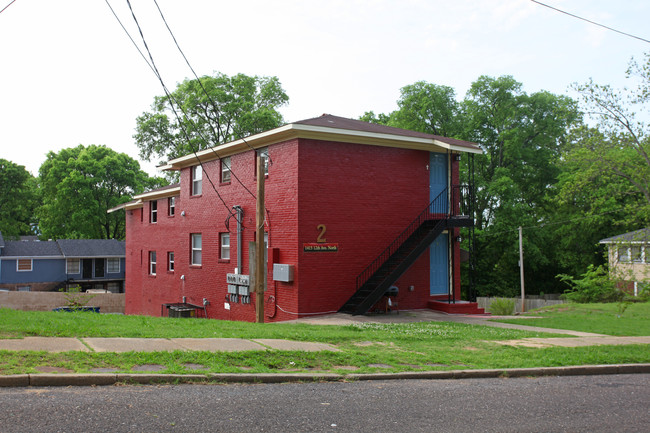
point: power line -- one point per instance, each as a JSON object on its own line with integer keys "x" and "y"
{"x": 173, "y": 100}
{"x": 129, "y": 35}
{"x": 10, "y": 3}
{"x": 157, "y": 73}
{"x": 590, "y": 22}
{"x": 214, "y": 105}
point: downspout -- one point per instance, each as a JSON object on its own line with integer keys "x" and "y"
{"x": 240, "y": 216}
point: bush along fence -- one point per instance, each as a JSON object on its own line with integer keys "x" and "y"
{"x": 530, "y": 302}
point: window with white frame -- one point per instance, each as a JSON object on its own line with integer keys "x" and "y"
{"x": 24, "y": 265}
{"x": 197, "y": 180}
{"x": 153, "y": 214}
{"x": 171, "y": 206}
{"x": 225, "y": 170}
{"x": 113, "y": 265}
{"x": 72, "y": 266}
{"x": 152, "y": 263}
{"x": 170, "y": 261}
{"x": 224, "y": 241}
{"x": 197, "y": 248}
{"x": 633, "y": 254}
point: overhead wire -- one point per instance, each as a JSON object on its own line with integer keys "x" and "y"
{"x": 239, "y": 136}
{"x": 10, "y": 3}
{"x": 214, "y": 105}
{"x": 172, "y": 99}
{"x": 590, "y": 22}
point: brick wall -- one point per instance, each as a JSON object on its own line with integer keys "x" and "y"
{"x": 363, "y": 195}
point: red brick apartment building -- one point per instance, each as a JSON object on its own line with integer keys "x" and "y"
{"x": 352, "y": 209}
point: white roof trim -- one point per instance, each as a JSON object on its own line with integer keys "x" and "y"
{"x": 297, "y": 130}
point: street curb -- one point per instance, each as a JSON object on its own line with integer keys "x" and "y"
{"x": 102, "y": 379}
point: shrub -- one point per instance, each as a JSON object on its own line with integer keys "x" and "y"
{"x": 502, "y": 307}
{"x": 593, "y": 286}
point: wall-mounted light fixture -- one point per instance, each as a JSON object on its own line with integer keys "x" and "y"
{"x": 457, "y": 157}
{"x": 182, "y": 213}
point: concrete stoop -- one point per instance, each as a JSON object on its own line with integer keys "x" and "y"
{"x": 458, "y": 307}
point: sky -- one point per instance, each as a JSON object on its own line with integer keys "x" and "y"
{"x": 69, "y": 74}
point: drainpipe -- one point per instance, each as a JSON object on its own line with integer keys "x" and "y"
{"x": 240, "y": 216}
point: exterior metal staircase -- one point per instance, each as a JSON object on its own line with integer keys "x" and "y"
{"x": 447, "y": 210}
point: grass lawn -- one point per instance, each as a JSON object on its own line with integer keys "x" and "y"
{"x": 611, "y": 319}
{"x": 363, "y": 348}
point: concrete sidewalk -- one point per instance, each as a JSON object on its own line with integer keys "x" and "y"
{"x": 118, "y": 345}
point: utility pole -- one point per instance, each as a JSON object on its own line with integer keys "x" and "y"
{"x": 521, "y": 270}
{"x": 259, "y": 244}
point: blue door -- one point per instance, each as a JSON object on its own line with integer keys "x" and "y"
{"x": 437, "y": 176}
{"x": 439, "y": 266}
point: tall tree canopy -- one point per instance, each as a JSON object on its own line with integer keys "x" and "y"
{"x": 18, "y": 200}
{"x": 618, "y": 149}
{"x": 80, "y": 184}
{"x": 214, "y": 110}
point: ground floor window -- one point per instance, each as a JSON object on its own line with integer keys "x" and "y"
{"x": 24, "y": 265}
{"x": 73, "y": 266}
{"x": 170, "y": 261}
{"x": 224, "y": 240}
{"x": 197, "y": 249}
{"x": 152, "y": 263}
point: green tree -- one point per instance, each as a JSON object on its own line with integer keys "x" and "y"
{"x": 427, "y": 107}
{"x": 604, "y": 185}
{"x": 19, "y": 199}
{"x": 523, "y": 137}
{"x": 80, "y": 184}
{"x": 619, "y": 148}
{"x": 229, "y": 108}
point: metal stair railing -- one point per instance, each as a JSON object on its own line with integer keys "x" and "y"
{"x": 447, "y": 204}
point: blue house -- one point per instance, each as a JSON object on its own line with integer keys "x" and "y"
{"x": 33, "y": 265}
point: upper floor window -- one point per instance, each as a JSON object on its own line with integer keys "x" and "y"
{"x": 113, "y": 266}
{"x": 197, "y": 180}
{"x": 152, "y": 263}
{"x": 224, "y": 240}
{"x": 73, "y": 266}
{"x": 153, "y": 211}
{"x": 24, "y": 265}
{"x": 197, "y": 248}
{"x": 633, "y": 254}
{"x": 171, "y": 206}
{"x": 226, "y": 174}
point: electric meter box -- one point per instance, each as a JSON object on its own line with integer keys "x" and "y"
{"x": 283, "y": 273}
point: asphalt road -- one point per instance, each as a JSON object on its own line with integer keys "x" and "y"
{"x": 615, "y": 403}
